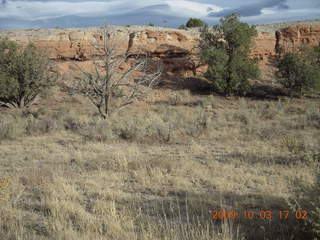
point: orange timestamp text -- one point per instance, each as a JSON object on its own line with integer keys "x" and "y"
{"x": 258, "y": 214}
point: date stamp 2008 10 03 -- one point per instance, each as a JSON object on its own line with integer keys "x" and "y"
{"x": 258, "y": 214}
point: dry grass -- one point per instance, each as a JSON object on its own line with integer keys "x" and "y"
{"x": 154, "y": 171}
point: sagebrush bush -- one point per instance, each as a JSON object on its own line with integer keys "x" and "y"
{"x": 72, "y": 123}
{"x": 242, "y": 117}
{"x": 97, "y": 130}
{"x": 142, "y": 126}
{"x": 11, "y": 127}
{"x": 293, "y": 144}
{"x": 179, "y": 97}
{"x": 300, "y": 151}
{"x": 41, "y": 126}
{"x": 161, "y": 125}
{"x": 313, "y": 117}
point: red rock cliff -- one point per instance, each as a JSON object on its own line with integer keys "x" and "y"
{"x": 176, "y": 48}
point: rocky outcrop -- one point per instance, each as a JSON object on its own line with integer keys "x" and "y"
{"x": 269, "y": 44}
{"x": 291, "y": 38}
{"x": 264, "y": 46}
{"x": 177, "y": 49}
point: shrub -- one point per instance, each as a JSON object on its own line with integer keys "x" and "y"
{"x": 98, "y": 130}
{"x": 71, "y": 123}
{"x": 300, "y": 151}
{"x": 184, "y": 122}
{"x": 142, "y": 127}
{"x": 226, "y": 52}
{"x": 313, "y": 117}
{"x": 11, "y": 127}
{"x": 293, "y": 144}
{"x": 298, "y": 72}
{"x": 24, "y": 74}
{"x": 179, "y": 97}
{"x": 40, "y": 126}
{"x": 195, "y": 22}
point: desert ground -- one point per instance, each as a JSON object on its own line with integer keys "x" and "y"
{"x": 160, "y": 167}
{"x": 156, "y": 169}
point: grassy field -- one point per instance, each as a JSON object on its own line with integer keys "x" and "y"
{"x": 156, "y": 169}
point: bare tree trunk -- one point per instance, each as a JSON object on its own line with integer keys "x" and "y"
{"x": 107, "y": 104}
{"x": 98, "y": 86}
{"x": 102, "y": 114}
{"x": 21, "y": 102}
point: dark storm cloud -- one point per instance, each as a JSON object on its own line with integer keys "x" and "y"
{"x": 77, "y": 13}
{"x": 253, "y": 9}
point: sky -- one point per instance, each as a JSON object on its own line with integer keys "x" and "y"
{"x": 17, "y": 14}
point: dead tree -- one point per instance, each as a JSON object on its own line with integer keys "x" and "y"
{"x": 101, "y": 85}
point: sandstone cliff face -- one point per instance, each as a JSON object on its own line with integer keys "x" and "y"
{"x": 291, "y": 38}
{"x": 78, "y": 46}
{"x": 265, "y": 44}
{"x": 177, "y": 49}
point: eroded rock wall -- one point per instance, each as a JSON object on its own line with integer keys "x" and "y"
{"x": 177, "y": 49}
{"x": 291, "y": 38}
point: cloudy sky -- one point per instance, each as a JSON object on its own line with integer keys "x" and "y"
{"x": 81, "y": 13}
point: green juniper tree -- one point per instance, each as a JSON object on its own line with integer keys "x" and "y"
{"x": 226, "y": 50}
{"x": 195, "y": 22}
{"x": 24, "y": 74}
{"x": 300, "y": 72}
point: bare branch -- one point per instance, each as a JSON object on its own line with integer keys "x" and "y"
{"x": 9, "y": 104}
{"x": 99, "y": 86}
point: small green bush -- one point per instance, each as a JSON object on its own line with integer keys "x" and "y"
{"x": 299, "y": 72}
{"x": 195, "y": 22}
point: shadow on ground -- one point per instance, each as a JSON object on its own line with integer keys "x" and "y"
{"x": 185, "y": 208}
{"x": 195, "y": 85}
{"x": 266, "y": 92}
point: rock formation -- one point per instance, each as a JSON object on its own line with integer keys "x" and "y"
{"x": 177, "y": 49}
{"x": 291, "y": 38}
